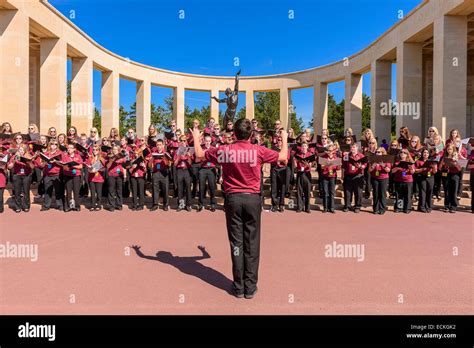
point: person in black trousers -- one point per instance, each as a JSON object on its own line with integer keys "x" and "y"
{"x": 161, "y": 173}
{"x": 207, "y": 173}
{"x": 21, "y": 165}
{"x": 426, "y": 171}
{"x": 280, "y": 179}
{"x": 303, "y": 179}
{"x": 183, "y": 162}
{"x": 379, "y": 176}
{"x": 243, "y": 203}
{"x": 72, "y": 177}
{"x": 115, "y": 177}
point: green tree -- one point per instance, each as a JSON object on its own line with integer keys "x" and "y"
{"x": 96, "y": 121}
{"x": 366, "y": 107}
{"x": 335, "y": 116}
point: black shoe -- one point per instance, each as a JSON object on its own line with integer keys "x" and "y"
{"x": 67, "y": 210}
{"x": 97, "y": 208}
{"x": 188, "y": 208}
{"x": 452, "y": 211}
{"x": 17, "y": 210}
{"x": 273, "y": 209}
{"x": 332, "y": 211}
{"x": 251, "y": 295}
{"x": 155, "y": 207}
{"x": 298, "y": 210}
{"x": 44, "y": 209}
{"x": 213, "y": 208}
{"x": 139, "y": 208}
{"x": 308, "y": 211}
{"x": 119, "y": 207}
{"x": 357, "y": 210}
{"x": 382, "y": 212}
{"x": 92, "y": 209}
{"x": 324, "y": 211}
{"x": 282, "y": 208}
{"x": 345, "y": 209}
{"x": 77, "y": 209}
{"x": 407, "y": 211}
{"x": 199, "y": 208}
{"x": 133, "y": 208}
{"x": 237, "y": 294}
{"x": 111, "y": 209}
{"x": 26, "y": 210}
{"x": 166, "y": 208}
{"x": 179, "y": 209}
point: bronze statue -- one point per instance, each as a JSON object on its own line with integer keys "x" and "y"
{"x": 231, "y": 99}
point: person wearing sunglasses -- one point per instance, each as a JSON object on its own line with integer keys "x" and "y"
{"x": 183, "y": 160}
{"x": 94, "y": 137}
{"x": 379, "y": 173}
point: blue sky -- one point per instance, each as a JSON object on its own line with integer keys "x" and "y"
{"x": 212, "y": 33}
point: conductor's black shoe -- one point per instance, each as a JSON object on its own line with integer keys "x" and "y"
{"x": 155, "y": 207}
{"x": 166, "y": 208}
{"x": 213, "y": 207}
{"x": 251, "y": 295}
{"x": 237, "y": 294}
{"x": 188, "y": 208}
{"x": 199, "y": 208}
{"x": 44, "y": 209}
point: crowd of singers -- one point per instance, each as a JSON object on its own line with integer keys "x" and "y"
{"x": 68, "y": 167}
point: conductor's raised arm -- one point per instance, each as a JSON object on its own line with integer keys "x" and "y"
{"x": 283, "y": 154}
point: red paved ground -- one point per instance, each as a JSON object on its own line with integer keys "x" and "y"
{"x": 83, "y": 254}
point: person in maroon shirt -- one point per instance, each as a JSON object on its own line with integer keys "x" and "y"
{"x": 137, "y": 173}
{"x": 471, "y": 177}
{"x": 96, "y": 171}
{"x": 403, "y": 170}
{"x": 160, "y": 167}
{"x": 183, "y": 162}
{"x": 453, "y": 177}
{"x": 462, "y": 154}
{"x": 241, "y": 162}
{"x": 3, "y": 179}
{"x": 303, "y": 178}
{"x": 207, "y": 174}
{"x": 353, "y": 173}
{"x": 280, "y": 173}
{"x": 115, "y": 173}
{"x": 328, "y": 176}
{"x": 379, "y": 172}
{"x": 52, "y": 177}
{"x": 21, "y": 165}
{"x": 72, "y": 177}
{"x": 425, "y": 170}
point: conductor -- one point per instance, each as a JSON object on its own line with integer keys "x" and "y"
{"x": 241, "y": 162}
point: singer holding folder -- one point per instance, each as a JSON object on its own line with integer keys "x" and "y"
{"x": 241, "y": 162}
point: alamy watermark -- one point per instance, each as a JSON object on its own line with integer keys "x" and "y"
{"x": 338, "y": 250}
{"x": 237, "y": 156}
{"x": 404, "y": 109}
{"x": 26, "y": 251}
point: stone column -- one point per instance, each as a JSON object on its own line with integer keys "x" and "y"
{"x": 284, "y": 104}
{"x": 320, "y": 106}
{"x": 409, "y": 87}
{"x": 381, "y": 95}
{"x": 450, "y": 74}
{"x": 353, "y": 103}
{"x": 178, "y": 107}
{"x": 110, "y": 102}
{"x": 249, "y": 104}
{"x": 82, "y": 108}
{"x": 215, "y": 106}
{"x": 53, "y": 85}
{"x": 143, "y": 109}
{"x": 14, "y": 69}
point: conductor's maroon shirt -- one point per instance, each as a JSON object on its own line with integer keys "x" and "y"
{"x": 241, "y": 165}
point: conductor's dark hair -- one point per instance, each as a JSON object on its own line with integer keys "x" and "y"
{"x": 243, "y": 129}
